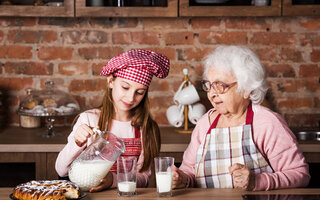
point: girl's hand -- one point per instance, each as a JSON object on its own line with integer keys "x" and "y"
{"x": 179, "y": 178}
{"x": 243, "y": 177}
{"x": 105, "y": 183}
{"x": 82, "y": 134}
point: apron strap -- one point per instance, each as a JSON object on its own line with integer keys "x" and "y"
{"x": 137, "y": 133}
{"x": 249, "y": 118}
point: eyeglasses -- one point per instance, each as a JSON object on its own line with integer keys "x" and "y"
{"x": 218, "y": 87}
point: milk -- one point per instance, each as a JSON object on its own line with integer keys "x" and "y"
{"x": 127, "y": 186}
{"x": 87, "y": 174}
{"x": 164, "y": 181}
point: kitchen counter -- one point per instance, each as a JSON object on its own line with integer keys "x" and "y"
{"x": 17, "y": 139}
{"x": 21, "y": 145}
{"x": 199, "y": 194}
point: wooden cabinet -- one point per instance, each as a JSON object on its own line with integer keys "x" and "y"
{"x": 229, "y": 10}
{"x": 174, "y": 8}
{"x": 290, "y": 9}
{"x": 67, "y": 10}
{"x": 171, "y": 10}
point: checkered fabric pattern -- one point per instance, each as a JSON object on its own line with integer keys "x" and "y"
{"x": 222, "y": 148}
{"x": 138, "y": 65}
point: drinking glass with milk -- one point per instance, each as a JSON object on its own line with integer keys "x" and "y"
{"x": 164, "y": 173}
{"x": 126, "y": 175}
{"x": 95, "y": 161}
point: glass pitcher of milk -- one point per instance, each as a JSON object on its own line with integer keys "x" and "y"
{"x": 95, "y": 161}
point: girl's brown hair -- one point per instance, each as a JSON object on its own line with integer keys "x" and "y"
{"x": 141, "y": 119}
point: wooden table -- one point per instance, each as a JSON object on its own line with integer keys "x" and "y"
{"x": 190, "y": 193}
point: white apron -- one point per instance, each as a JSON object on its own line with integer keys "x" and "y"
{"x": 223, "y": 147}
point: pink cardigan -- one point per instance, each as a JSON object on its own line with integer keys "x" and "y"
{"x": 275, "y": 142}
{"x": 71, "y": 151}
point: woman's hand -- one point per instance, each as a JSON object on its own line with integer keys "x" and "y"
{"x": 179, "y": 178}
{"x": 243, "y": 177}
{"x": 105, "y": 183}
{"x": 82, "y": 134}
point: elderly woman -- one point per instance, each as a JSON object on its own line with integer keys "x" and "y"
{"x": 239, "y": 143}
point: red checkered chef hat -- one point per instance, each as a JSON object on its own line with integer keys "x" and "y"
{"x": 138, "y": 65}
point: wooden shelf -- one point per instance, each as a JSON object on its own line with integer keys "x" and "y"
{"x": 299, "y": 10}
{"x": 204, "y": 11}
{"x": 38, "y": 11}
{"x": 148, "y": 11}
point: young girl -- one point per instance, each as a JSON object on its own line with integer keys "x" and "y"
{"x": 124, "y": 112}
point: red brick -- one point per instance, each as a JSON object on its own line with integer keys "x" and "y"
{"x": 99, "y": 52}
{"x": 97, "y": 68}
{"x": 14, "y": 100}
{"x": 164, "y": 23}
{"x": 87, "y": 85}
{"x": 1, "y": 36}
{"x": 135, "y": 38}
{"x": 205, "y": 22}
{"x": 316, "y": 101}
{"x": 3, "y": 51}
{"x": 310, "y": 23}
{"x": 99, "y": 22}
{"x": 18, "y": 21}
{"x": 282, "y": 86}
{"x": 199, "y": 69}
{"x": 211, "y": 37}
{"x": 295, "y": 103}
{"x": 58, "y": 22}
{"x": 82, "y": 102}
{"x": 176, "y": 69}
{"x": 309, "y": 84}
{"x": 176, "y": 38}
{"x": 268, "y": 54}
{"x": 273, "y": 38}
{"x": 78, "y": 37}
{"x": 55, "y": 53}
{"x": 95, "y": 101}
{"x": 144, "y": 37}
{"x": 20, "y": 36}
{"x": 73, "y": 68}
{"x": 195, "y": 54}
{"x": 16, "y": 84}
{"x": 158, "y": 107}
{"x": 59, "y": 83}
{"x": 169, "y": 52}
{"x": 309, "y": 70}
{"x": 280, "y": 70}
{"x": 248, "y": 23}
{"x": 23, "y": 52}
{"x": 127, "y": 22}
{"x": 291, "y": 55}
{"x": 315, "y": 55}
{"x": 29, "y": 68}
{"x": 159, "y": 85}
{"x": 312, "y": 39}
{"x": 302, "y": 120}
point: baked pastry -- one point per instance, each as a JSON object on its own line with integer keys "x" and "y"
{"x": 31, "y": 104}
{"x": 46, "y": 189}
{"x": 49, "y": 103}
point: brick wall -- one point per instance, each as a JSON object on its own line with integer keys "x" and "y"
{"x": 72, "y": 51}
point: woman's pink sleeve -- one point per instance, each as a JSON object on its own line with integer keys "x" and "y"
{"x": 189, "y": 156}
{"x": 278, "y": 144}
